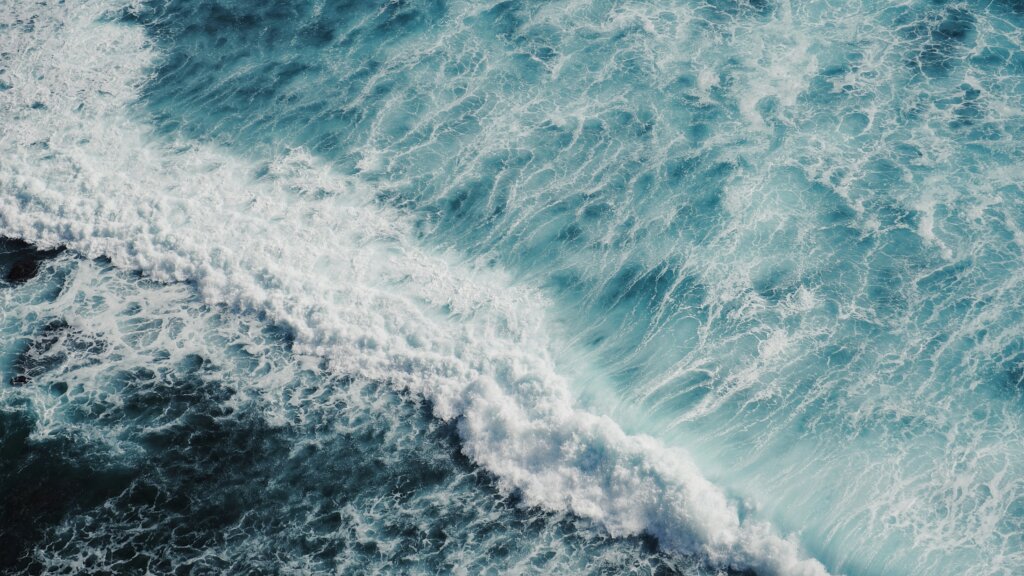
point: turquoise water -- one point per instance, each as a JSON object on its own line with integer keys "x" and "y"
{"x": 666, "y": 286}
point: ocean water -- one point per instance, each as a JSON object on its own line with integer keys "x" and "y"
{"x": 681, "y": 287}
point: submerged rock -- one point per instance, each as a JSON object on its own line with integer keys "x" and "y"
{"x": 19, "y": 260}
{"x": 22, "y": 271}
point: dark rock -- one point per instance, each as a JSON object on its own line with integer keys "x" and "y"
{"x": 22, "y": 271}
{"x": 19, "y": 260}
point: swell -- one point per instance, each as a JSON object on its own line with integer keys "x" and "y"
{"x": 294, "y": 242}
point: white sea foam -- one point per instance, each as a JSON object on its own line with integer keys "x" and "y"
{"x": 309, "y": 249}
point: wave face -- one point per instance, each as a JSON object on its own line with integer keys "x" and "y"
{"x": 516, "y": 286}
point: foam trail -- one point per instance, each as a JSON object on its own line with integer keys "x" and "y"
{"x": 306, "y": 248}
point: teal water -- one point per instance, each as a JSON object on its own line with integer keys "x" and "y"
{"x": 780, "y": 240}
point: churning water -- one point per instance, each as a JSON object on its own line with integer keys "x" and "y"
{"x": 603, "y": 286}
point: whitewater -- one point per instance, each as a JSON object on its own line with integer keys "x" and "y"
{"x": 739, "y": 278}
